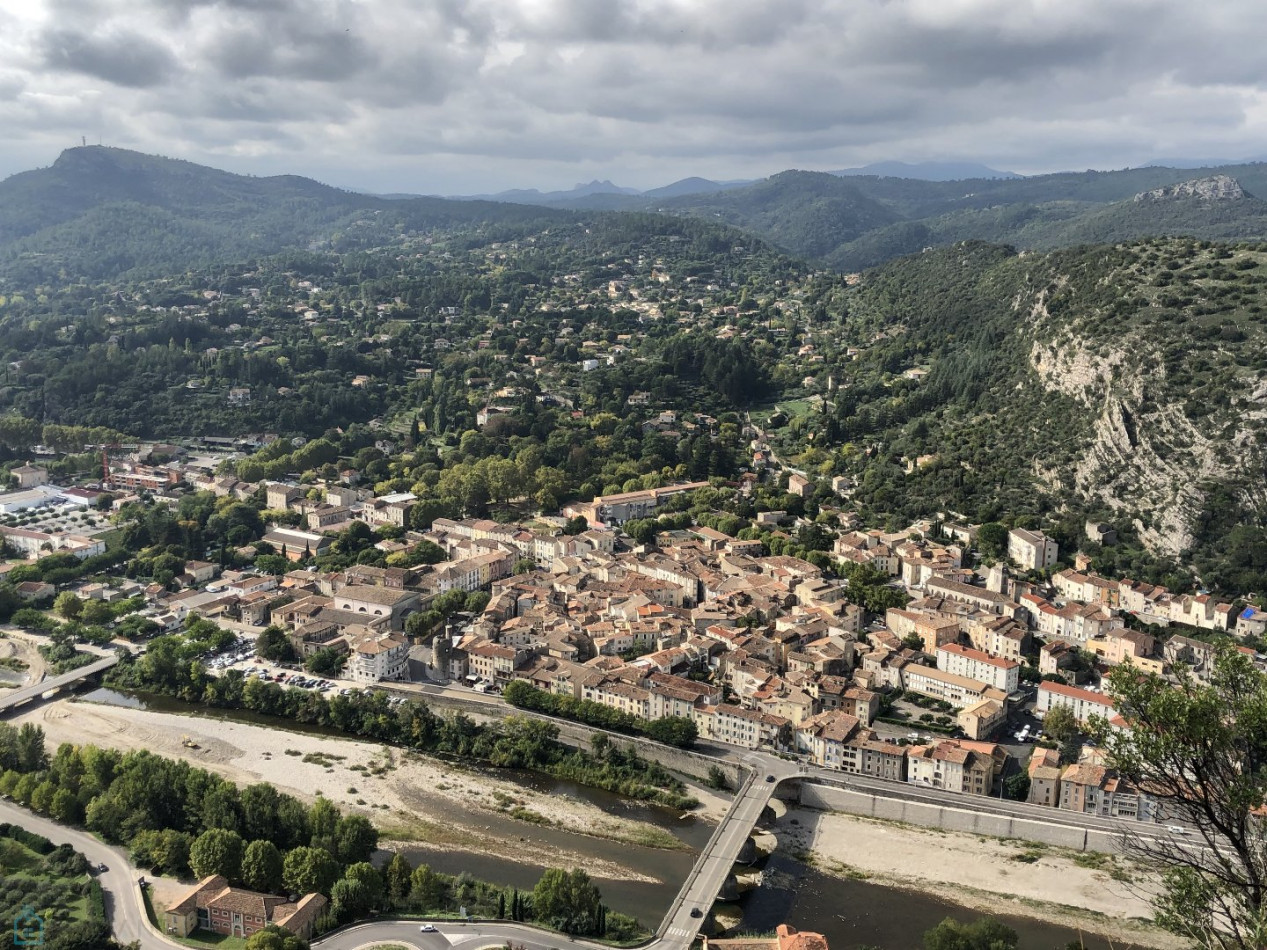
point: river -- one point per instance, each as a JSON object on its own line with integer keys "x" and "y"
{"x": 849, "y": 913}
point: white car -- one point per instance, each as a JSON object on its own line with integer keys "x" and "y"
{"x": 427, "y": 929}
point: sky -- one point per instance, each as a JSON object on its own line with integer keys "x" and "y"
{"x": 476, "y": 96}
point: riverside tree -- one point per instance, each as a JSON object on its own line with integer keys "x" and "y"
{"x": 1201, "y": 748}
{"x": 217, "y": 851}
{"x": 567, "y": 901}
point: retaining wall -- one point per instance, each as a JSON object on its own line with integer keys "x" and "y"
{"x": 949, "y": 818}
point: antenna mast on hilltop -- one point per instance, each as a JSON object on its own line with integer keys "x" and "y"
{"x": 84, "y": 139}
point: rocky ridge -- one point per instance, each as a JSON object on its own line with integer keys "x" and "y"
{"x": 1214, "y": 188}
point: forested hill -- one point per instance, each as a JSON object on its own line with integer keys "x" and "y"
{"x": 858, "y": 222}
{"x": 101, "y": 212}
{"x": 1123, "y": 383}
{"x": 1199, "y": 208}
{"x": 809, "y": 213}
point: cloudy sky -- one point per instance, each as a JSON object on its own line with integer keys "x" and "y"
{"x": 463, "y": 96}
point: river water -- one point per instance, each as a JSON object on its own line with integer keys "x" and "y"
{"x": 849, "y": 913}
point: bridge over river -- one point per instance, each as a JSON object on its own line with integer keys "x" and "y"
{"x": 19, "y": 697}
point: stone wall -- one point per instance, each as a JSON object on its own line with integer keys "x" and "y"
{"x": 948, "y": 818}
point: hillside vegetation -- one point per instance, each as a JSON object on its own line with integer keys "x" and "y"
{"x": 860, "y": 221}
{"x": 1124, "y": 382}
{"x": 103, "y": 212}
{"x": 605, "y": 351}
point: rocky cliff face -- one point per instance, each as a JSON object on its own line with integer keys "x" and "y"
{"x": 1214, "y": 188}
{"x": 1145, "y": 457}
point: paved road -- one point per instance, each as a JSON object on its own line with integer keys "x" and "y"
{"x": 767, "y": 763}
{"x": 18, "y": 697}
{"x": 123, "y": 897}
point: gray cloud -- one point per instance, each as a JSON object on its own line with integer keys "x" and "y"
{"x": 465, "y": 95}
{"x": 122, "y": 57}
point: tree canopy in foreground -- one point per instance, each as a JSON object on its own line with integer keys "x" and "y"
{"x": 1201, "y": 747}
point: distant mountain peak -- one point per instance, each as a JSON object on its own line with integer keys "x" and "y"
{"x": 605, "y": 185}
{"x": 1213, "y": 188}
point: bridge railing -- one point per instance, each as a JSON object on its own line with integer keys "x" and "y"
{"x": 706, "y": 854}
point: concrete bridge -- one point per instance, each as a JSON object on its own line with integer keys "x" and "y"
{"x": 18, "y": 697}
{"x": 682, "y": 922}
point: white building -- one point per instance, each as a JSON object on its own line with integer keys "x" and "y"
{"x": 1002, "y": 674}
{"x": 1075, "y": 623}
{"x": 1031, "y": 550}
{"x": 375, "y": 657}
{"x": 34, "y": 544}
{"x": 734, "y": 725}
{"x": 955, "y": 689}
{"x": 1081, "y": 702}
{"x": 34, "y": 497}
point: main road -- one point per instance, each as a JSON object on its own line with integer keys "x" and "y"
{"x": 694, "y": 899}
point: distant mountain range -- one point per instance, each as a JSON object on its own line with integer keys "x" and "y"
{"x": 103, "y": 211}
{"x": 923, "y": 171}
{"x": 686, "y": 186}
{"x": 927, "y": 171}
{"x": 857, "y": 221}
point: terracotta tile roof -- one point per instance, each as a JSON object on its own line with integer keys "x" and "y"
{"x": 244, "y": 902}
{"x": 189, "y": 900}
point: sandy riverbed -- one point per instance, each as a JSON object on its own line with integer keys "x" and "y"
{"x": 1101, "y": 894}
{"x": 24, "y": 648}
{"x": 412, "y": 798}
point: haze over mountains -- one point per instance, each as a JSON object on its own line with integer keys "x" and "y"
{"x": 101, "y": 211}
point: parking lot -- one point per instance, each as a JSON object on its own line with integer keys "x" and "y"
{"x": 240, "y": 655}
